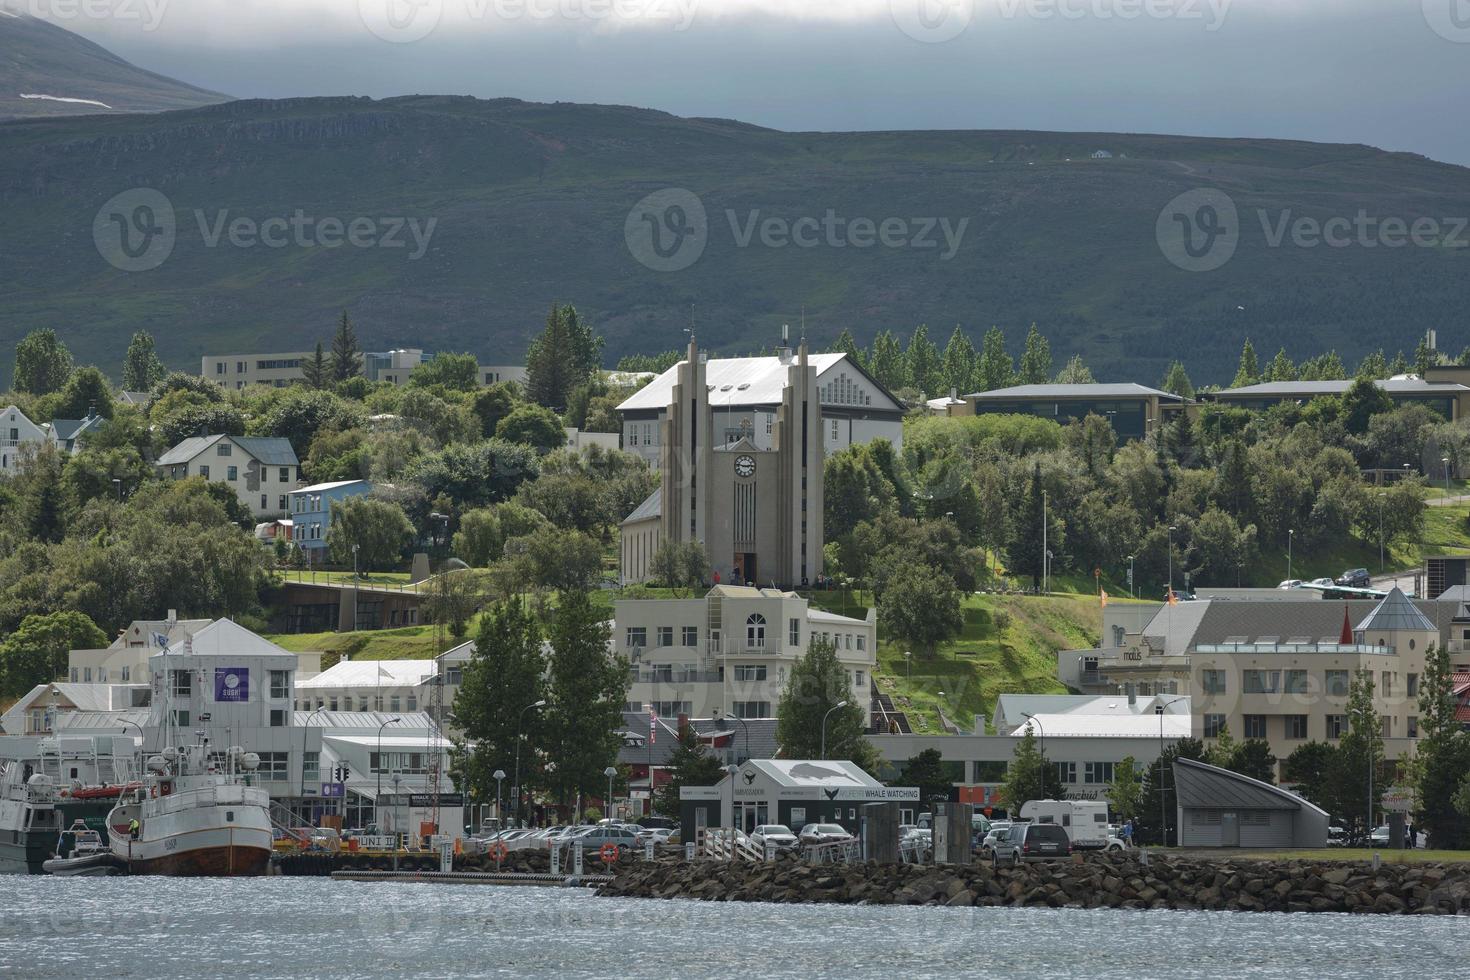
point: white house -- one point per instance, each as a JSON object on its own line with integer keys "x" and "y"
{"x": 18, "y": 436}
{"x": 261, "y": 471}
{"x": 66, "y": 434}
{"x": 125, "y": 659}
{"x": 394, "y": 686}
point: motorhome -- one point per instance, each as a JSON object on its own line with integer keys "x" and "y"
{"x": 1085, "y": 821}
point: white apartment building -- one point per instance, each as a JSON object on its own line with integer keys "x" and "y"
{"x": 236, "y": 371}
{"x": 19, "y": 436}
{"x": 394, "y": 686}
{"x": 731, "y": 651}
{"x": 125, "y": 659}
{"x": 261, "y": 471}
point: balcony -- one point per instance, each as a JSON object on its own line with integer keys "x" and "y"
{"x": 1348, "y": 648}
{"x": 689, "y": 676}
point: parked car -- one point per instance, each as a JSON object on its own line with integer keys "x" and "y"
{"x": 823, "y": 833}
{"x": 658, "y": 822}
{"x": 1355, "y": 578}
{"x": 1337, "y": 837}
{"x": 998, "y": 829}
{"x": 593, "y": 839}
{"x": 1291, "y": 583}
{"x": 660, "y": 835}
{"x": 1032, "y": 842}
{"x": 1379, "y": 837}
{"x": 776, "y": 834}
{"x": 1326, "y": 583}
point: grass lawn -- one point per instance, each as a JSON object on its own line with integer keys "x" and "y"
{"x": 1008, "y": 646}
{"x": 408, "y": 643}
{"x": 328, "y": 577}
{"x": 1356, "y": 855}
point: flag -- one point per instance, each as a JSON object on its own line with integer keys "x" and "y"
{"x": 1103, "y": 596}
{"x": 160, "y": 640}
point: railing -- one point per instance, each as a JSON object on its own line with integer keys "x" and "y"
{"x": 725, "y": 844}
{"x": 1362, "y": 648}
{"x": 637, "y": 676}
{"x": 281, "y": 819}
{"x": 834, "y": 852}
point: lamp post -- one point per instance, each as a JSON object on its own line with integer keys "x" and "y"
{"x": 611, "y": 773}
{"x": 1170, "y": 596}
{"x": 1044, "y": 552}
{"x": 379, "y": 795}
{"x": 117, "y": 485}
{"x": 1381, "y": 496}
{"x": 720, "y": 716}
{"x": 908, "y": 658}
{"x": 397, "y": 819}
{"x": 356, "y": 588}
{"x": 1037, "y": 722}
{"x": 839, "y": 704}
{"x": 304, "y": 727}
{"x": 1163, "y": 818}
{"x": 1445, "y": 461}
{"x": 1131, "y": 593}
{"x": 1290, "y": 538}
{"x": 499, "y": 813}
{"x": 520, "y": 727}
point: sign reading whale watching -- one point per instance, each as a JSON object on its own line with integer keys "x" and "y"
{"x": 232, "y": 683}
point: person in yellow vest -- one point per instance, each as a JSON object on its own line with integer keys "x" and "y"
{"x": 133, "y": 828}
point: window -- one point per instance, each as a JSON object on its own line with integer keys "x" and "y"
{"x": 860, "y": 679}
{"x": 1213, "y": 724}
{"x": 395, "y": 704}
{"x": 1413, "y": 730}
{"x": 990, "y": 772}
{"x": 181, "y": 718}
{"x": 1296, "y": 682}
{"x": 86, "y": 675}
{"x": 263, "y": 503}
{"x": 1337, "y": 726}
{"x": 794, "y": 631}
{"x": 1413, "y": 685}
{"x": 332, "y": 703}
{"x": 285, "y": 474}
{"x": 847, "y": 641}
{"x": 665, "y": 636}
{"x": 1296, "y": 726}
{"x": 281, "y": 505}
{"x": 1067, "y": 772}
{"x": 280, "y": 684}
{"x": 412, "y": 702}
{"x": 127, "y": 672}
{"x": 406, "y": 762}
{"x": 75, "y": 673}
{"x": 662, "y": 673}
{"x": 454, "y": 675}
{"x": 1385, "y": 726}
{"x": 752, "y": 709}
{"x": 755, "y": 631}
{"x": 275, "y": 765}
{"x": 750, "y": 672}
{"x": 1261, "y": 681}
{"x": 278, "y": 717}
{"x": 183, "y": 683}
{"x": 862, "y": 642}
{"x": 834, "y": 429}
{"x": 232, "y": 473}
{"x": 1213, "y": 681}
{"x": 1337, "y": 683}
{"x": 1097, "y": 772}
{"x": 377, "y": 702}
{"x": 204, "y": 471}
{"x": 637, "y": 637}
{"x": 691, "y": 636}
{"x": 1386, "y": 684}
{"x": 1255, "y": 726}
{"x": 223, "y": 449}
{"x": 671, "y": 709}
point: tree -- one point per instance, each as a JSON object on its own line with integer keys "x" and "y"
{"x": 847, "y": 344}
{"x": 299, "y": 414}
{"x": 1374, "y": 367}
{"x": 995, "y": 366}
{"x": 1248, "y": 372}
{"x": 1308, "y": 769}
{"x": 587, "y": 691}
{"x": 1157, "y": 787}
{"x": 534, "y": 426}
{"x": 816, "y": 685}
{"x": 1035, "y": 359}
{"x": 679, "y": 566}
{"x": 1359, "y": 757}
{"x": 1023, "y": 554}
{"x": 1254, "y": 758}
{"x": 504, "y": 677}
{"x": 316, "y": 372}
{"x": 1443, "y": 756}
{"x": 346, "y": 361}
{"x": 141, "y": 367}
{"x": 457, "y": 372}
{"x": 926, "y": 771}
{"x": 1125, "y": 794}
{"x": 42, "y": 363}
{"x": 690, "y": 764}
{"x": 474, "y": 475}
{"x": 1221, "y": 753}
{"x": 923, "y": 360}
{"x": 566, "y": 561}
{"x": 379, "y": 530}
{"x": 1280, "y": 368}
{"x": 957, "y": 367}
{"x": 36, "y": 652}
{"x": 920, "y": 604}
{"x": 888, "y": 365}
{"x": 1177, "y": 382}
{"x": 454, "y": 595}
{"x": 493, "y": 403}
{"x": 562, "y": 357}
{"x": 1076, "y": 373}
{"x": 1029, "y": 776}
{"x": 86, "y": 393}
{"x": 586, "y": 347}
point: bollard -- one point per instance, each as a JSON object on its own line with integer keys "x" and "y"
{"x": 648, "y": 849}
{"x": 689, "y": 851}
{"x": 555, "y": 859}
{"x": 1143, "y": 856}
{"x": 1377, "y": 860}
{"x": 446, "y": 856}
{"x": 577, "y": 858}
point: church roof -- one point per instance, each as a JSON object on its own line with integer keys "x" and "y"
{"x": 746, "y": 381}
{"x": 649, "y": 509}
{"x": 1396, "y": 613}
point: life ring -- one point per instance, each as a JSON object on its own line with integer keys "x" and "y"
{"x": 498, "y": 851}
{"x": 608, "y": 853}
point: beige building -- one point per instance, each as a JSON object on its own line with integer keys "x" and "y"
{"x": 125, "y": 660}
{"x": 261, "y": 471}
{"x": 731, "y": 651}
{"x": 755, "y": 506}
{"x": 238, "y": 370}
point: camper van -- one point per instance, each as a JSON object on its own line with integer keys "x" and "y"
{"x": 1085, "y": 821}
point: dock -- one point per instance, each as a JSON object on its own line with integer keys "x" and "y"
{"x": 477, "y": 878}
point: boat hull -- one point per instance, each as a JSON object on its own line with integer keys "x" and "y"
{"x": 90, "y": 866}
{"x": 226, "y": 861}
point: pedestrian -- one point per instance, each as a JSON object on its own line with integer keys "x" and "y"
{"x": 1408, "y": 837}
{"x": 1128, "y": 832}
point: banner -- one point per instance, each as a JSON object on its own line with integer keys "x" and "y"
{"x": 232, "y": 684}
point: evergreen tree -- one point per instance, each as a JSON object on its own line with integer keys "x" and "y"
{"x": 1358, "y": 753}
{"x": 1035, "y": 359}
{"x": 817, "y": 684}
{"x": 926, "y": 771}
{"x": 315, "y": 371}
{"x": 1158, "y": 785}
{"x": 1400, "y": 365}
{"x": 846, "y": 344}
{"x": 1231, "y": 490}
{"x": 1029, "y": 776}
{"x": 1248, "y": 372}
{"x": 996, "y": 370}
{"x": 550, "y": 365}
{"x": 587, "y": 692}
{"x": 690, "y": 764}
{"x": 1023, "y": 555}
{"x": 1076, "y": 372}
{"x": 1374, "y": 367}
{"x": 1443, "y": 756}
{"x": 923, "y": 361}
{"x": 1281, "y": 368}
{"x": 504, "y": 677}
{"x": 1177, "y": 382}
{"x": 42, "y": 363}
{"x": 888, "y": 364}
{"x": 346, "y": 359}
{"x": 141, "y": 367}
{"x": 959, "y": 366}
{"x": 1425, "y": 357}
{"x": 586, "y": 348}
{"x": 1323, "y": 367}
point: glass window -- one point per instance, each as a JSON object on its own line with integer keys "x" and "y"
{"x": 1213, "y": 681}
{"x": 752, "y": 709}
{"x": 691, "y": 636}
{"x": 1067, "y": 772}
{"x": 637, "y": 637}
{"x": 755, "y": 631}
{"x": 1097, "y": 772}
{"x": 204, "y": 471}
{"x": 1296, "y": 726}
{"x": 1261, "y": 681}
{"x": 794, "y": 632}
{"x": 285, "y": 474}
{"x": 1413, "y": 685}
{"x": 1386, "y": 683}
{"x": 1413, "y": 726}
{"x": 412, "y": 702}
{"x": 127, "y": 673}
{"x": 1296, "y": 682}
{"x": 232, "y": 473}
{"x": 183, "y": 683}
{"x": 1255, "y": 726}
{"x": 1213, "y": 724}
{"x": 223, "y": 449}
{"x": 750, "y": 672}
{"x": 278, "y": 717}
{"x": 280, "y": 684}
{"x": 665, "y": 636}
{"x": 990, "y": 772}
{"x": 1337, "y": 683}
{"x": 1337, "y": 725}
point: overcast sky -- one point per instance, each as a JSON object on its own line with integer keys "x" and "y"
{"x": 1391, "y": 73}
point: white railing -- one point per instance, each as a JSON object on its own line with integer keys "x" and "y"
{"x": 835, "y": 852}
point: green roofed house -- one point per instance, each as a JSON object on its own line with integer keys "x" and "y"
{"x": 1132, "y": 409}
{"x": 261, "y": 471}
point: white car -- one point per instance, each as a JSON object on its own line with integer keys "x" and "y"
{"x": 1291, "y": 583}
{"x": 1324, "y": 582}
{"x": 775, "y": 834}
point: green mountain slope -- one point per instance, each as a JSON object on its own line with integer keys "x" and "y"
{"x": 531, "y": 201}
{"x": 47, "y": 71}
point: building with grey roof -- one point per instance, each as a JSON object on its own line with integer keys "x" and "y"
{"x": 1133, "y": 410}
{"x": 1220, "y": 808}
{"x": 1449, "y": 399}
{"x": 261, "y": 470}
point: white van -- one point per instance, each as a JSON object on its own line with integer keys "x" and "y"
{"x": 1085, "y": 821}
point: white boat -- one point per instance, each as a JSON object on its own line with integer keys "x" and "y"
{"x": 81, "y": 853}
{"x": 65, "y": 779}
{"x": 195, "y": 817}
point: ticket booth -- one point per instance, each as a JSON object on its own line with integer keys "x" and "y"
{"x": 785, "y": 791}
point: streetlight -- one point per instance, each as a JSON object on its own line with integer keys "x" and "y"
{"x": 117, "y": 485}
{"x": 908, "y": 658}
{"x": 379, "y": 794}
{"x": 720, "y": 716}
{"x": 397, "y": 819}
{"x": 356, "y": 589}
{"x": 520, "y": 727}
{"x": 1445, "y": 461}
{"x": 1131, "y": 593}
{"x": 839, "y": 704}
{"x": 1170, "y": 596}
{"x": 1037, "y": 722}
{"x": 1044, "y": 552}
{"x": 1163, "y": 819}
{"x": 1381, "y": 496}
{"x": 611, "y": 773}
{"x": 499, "y": 813}
{"x": 731, "y": 771}
{"x": 320, "y": 708}
{"x": 1290, "y": 537}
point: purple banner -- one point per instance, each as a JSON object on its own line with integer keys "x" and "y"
{"x": 232, "y": 684}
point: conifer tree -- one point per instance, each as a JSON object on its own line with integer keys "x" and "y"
{"x": 1177, "y": 382}
{"x": 922, "y": 360}
{"x": 996, "y": 370}
{"x": 888, "y": 365}
{"x": 1076, "y": 372}
{"x": 346, "y": 359}
{"x": 141, "y": 367}
{"x": 1035, "y": 359}
{"x": 315, "y": 371}
{"x": 958, "y": 364}
{"x": 1249, "y": 371}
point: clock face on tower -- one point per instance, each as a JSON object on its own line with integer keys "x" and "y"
{"x": 745, "y": 466}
